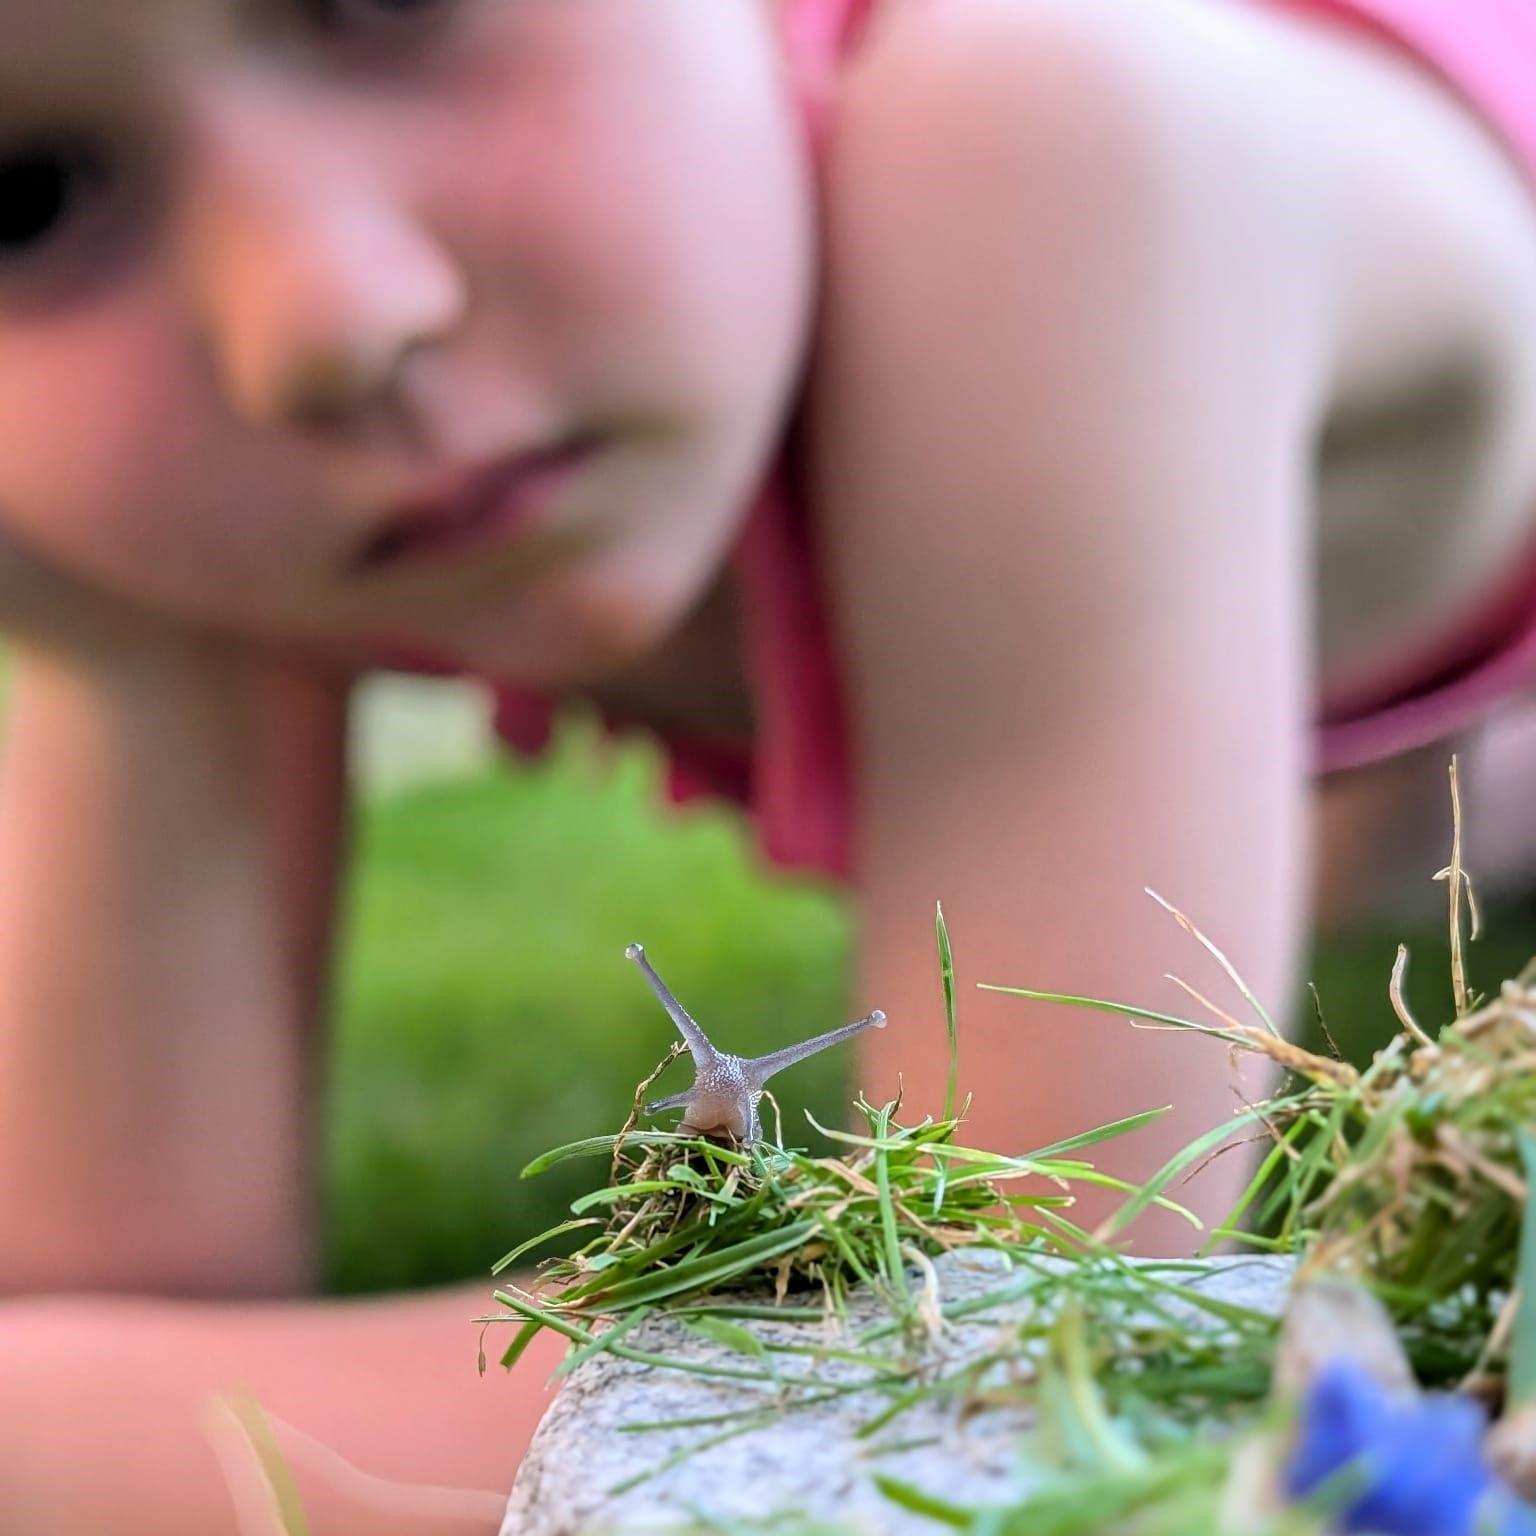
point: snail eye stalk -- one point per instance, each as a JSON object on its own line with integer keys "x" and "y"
{"x": 726, "y": 1089}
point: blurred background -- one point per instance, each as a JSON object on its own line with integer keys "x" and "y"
{"x": 486, "y": 1012}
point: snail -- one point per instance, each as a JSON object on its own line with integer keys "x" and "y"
{"x": 727, "y": 1089}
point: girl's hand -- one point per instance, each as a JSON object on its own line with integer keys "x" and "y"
{"x": 68, "y": 617}
{"x": 281, "y": 1479}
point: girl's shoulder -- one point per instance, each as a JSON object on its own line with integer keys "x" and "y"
{"x": 958, "y": 129}
{"x": 988, "y": 82}
{"x": 953, "y": 125}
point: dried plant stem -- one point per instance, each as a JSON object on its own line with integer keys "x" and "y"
{"x": 1221, "y": 960}
{"x": 1399, "y": 1004}
{"x": 1457, "y": 878}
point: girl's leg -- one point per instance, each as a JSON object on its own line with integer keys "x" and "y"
{"x": 112, "y": 1421}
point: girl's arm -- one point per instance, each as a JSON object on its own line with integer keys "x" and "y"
{"x": 170, "y": 810}
{"x": 1063, "y": 460}
{"x": 113, "y": 1421}
{"x": 169, "y": 814}
{"x": 1101, "y": 280}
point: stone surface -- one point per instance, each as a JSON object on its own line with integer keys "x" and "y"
{"x": 579, "y": 1476}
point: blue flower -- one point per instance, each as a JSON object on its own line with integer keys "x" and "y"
{"x": 1406, "y": 1466}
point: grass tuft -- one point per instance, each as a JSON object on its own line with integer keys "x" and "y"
{"x": 1410, "y": 1175}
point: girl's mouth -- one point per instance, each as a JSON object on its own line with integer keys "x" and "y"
{"x": 476, "y": 509}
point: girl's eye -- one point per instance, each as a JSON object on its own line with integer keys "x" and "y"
{"x": 43, "y": 186}
{"x": 363, "y": 16}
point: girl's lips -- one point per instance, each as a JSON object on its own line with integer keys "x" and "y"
{"x": 477, "y": 511}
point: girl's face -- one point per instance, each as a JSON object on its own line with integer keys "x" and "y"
{"x": 291, "y": 290}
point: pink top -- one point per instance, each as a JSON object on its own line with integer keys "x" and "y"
{"x": 1485, "y": 51}
{"x": 795, "y": 778}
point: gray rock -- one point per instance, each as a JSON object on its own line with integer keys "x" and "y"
{"x": 585, "y": 1475}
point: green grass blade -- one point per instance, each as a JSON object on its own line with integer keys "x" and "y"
{"x": 597, "y": 1146}
{"x": 535, "y": 1242}
{"x": 544, "y": 1318}
{"x": 1295, "y": 1190}
{"x": 728, "y": 1335}
{"x": 1194, "y": 1153}
{"x": 1266, "y": 1170}
{"x": 1102, "y": 1005}
{"x": 601, "y": 1343}
{"x": 1102, "y": 1133}
{"x": 1522, "y": 1356}
{"x": 917, "y": 1502}
{"x": 525, "y": 1336}
{"x": 703, "y": 1274}
{"x": 902, "y": 1137}
{"x": 896, "y": 1272}
{"x": 839, "y": 1240}
{"x": 947, "y": 980}
{"x": 611, "y": 1194}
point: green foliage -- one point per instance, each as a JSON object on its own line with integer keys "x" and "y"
{"x": 684, "y": 1217}
{"x": 466, "y": 1046}
{"x": 1149, "y": 1398}
{"x": 1136, "y": 1376}
{"x": 710, "y": 1232}
{"x": 486, "y": 1010}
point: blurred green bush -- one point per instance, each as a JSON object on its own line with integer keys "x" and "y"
{"x": 487, "y": 1012}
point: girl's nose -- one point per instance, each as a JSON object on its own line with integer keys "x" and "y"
{"x": 313, "y": 278}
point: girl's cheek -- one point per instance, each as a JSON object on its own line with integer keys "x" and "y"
{"x": 105, "y": 426}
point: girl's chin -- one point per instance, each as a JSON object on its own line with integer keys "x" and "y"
{"x": 571, "y": 632}
{"x": 561, "y": 664}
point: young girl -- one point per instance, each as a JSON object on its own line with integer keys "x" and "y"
{"x": 992, "y": 434}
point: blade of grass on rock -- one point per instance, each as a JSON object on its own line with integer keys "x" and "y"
{"x": 916, "y": 1501}
{"x": 602, "y": 1343}
{"x": 895, "y": 1270}
{"x": 569, "y": 1330}
{"x": 703, "y": 1273}
{"x": 731, "y": 1336}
